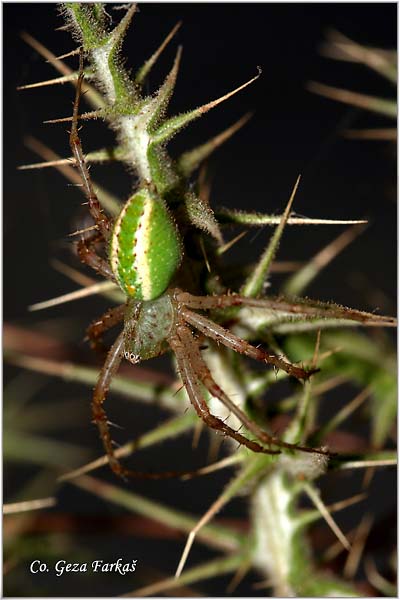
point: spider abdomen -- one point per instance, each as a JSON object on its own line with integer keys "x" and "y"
{"x": 145, "y": 249}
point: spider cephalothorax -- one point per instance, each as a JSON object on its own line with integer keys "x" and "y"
{"x": 147, "y": 328}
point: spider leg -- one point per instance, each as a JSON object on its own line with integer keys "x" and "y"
{"x": 183, "y": 349}
{"x": 87, "y": 255}
{"x": 96, "y": 329}
{"x": 305, "y": 309}
{"x": 229, "y": 339}
{"x": 208, "y": 302}
{"x": 109, "y": 369}
{"x": 203, "y": 372}
{"x": 102, "y": 221}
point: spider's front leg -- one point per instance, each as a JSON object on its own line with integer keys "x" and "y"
{"x": 307, "y": 308}
{"x": 103, "y": 223}
{"x": 88, "y": 255}
{"x": 182, "y": 345}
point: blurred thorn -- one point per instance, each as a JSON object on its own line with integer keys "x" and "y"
{"x": 204, "y": 253}
{"x": 215, "y": 466}
{"x": 241, "y": 572}
{"x": 382, "y": 106}
{"x": 330, "y": 384}
{"x": 72, "y": 273}
{"x": 345, "y": 412}
{"x": 359, "y": 541}
{"x": 315, "y": 498}
{"x": 340, "y": 47}
{"x": 55, "y": 81}
{"x": 336, "y": 548}
{"x": 196, "y": 434}
{"x": 43, "y": 51}
{"x": 146, "y": 68}
{"x": 363, "y": 464}
{"x": 107, "y": 200}
{"x": 347, "y": 502}
{"x": 214, "y": 448}
{"x": 204, "y": 184}
{"x": 27, "y": 505}
{"x": 171, "y": 427}
{"x": 222, "y": 249}
{"x": 77, "y": 295}
{"x": 388, "y": 134}
{"x": 314, "y": 361}
{"x": 93, "y": 114}
{"x": 329, "y": 353}
{"x": 264, "y": 584}
{"x": 368, "y": 476}
{"x": 48, "y": 155}
{"x": 81, "y": 231}
{"x": 216, "y": 567}
{"x": 377, "y": 581}
{"x": 67, "y": 55}
{"x": 208, "y": 515}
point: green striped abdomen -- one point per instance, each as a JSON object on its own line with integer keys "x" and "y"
{"x": 145, "y": 249}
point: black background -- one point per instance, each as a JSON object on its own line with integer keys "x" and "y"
{"x": 292, "y": 132}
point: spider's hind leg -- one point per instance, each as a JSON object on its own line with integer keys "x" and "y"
{"x": 203, "y": 372}
{"x": 109, "y": 369}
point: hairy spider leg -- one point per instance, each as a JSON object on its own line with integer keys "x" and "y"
{"x": 204, "y": 374}
{"x": 112, "y": 317}
{"x": 85, "y": 246}
{"x": 190, "y": 378}
{"x": 102, "y": 221}
{"x": 90, "y": 257}
{"x": 107, "y": 373}
{"x": 229, "y": 339}
{"x": 309, "y": 309}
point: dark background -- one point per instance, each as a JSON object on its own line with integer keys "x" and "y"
{"x": 292, "y": 132}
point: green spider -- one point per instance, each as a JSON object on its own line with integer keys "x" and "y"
{"x": 145, "y": 252}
